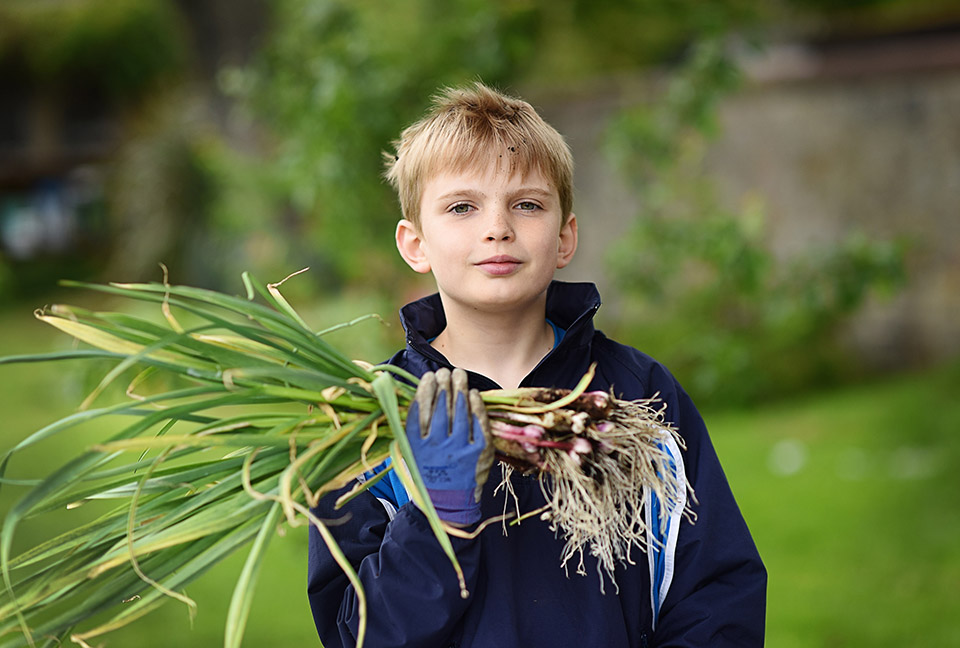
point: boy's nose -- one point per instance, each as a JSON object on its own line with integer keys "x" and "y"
{"x": 499, "y": 227}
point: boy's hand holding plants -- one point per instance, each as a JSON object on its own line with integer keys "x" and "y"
{"x": 448, "y": 430}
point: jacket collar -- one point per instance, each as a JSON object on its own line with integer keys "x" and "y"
{"x": 571, "y": 306}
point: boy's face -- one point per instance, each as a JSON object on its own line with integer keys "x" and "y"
{"x": 493, "y": 240}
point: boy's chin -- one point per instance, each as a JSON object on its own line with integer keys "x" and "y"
{"x": 503, "y": 299}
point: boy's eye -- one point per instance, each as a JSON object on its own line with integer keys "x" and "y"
{"x": 460, "y": 208}
{"x": 527, "y": 205}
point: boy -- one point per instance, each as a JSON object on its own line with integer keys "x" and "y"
{"x": 486, "y": 192}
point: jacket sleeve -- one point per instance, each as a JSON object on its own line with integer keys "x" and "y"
{"x": 412, "y": 592}
{"x": 718, "y": 594}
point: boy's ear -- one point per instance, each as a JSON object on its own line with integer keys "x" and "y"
{"x": 410, "y": 245}
{"x": 568, "y": 242}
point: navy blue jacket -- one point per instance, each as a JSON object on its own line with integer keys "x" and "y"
{"x": 519, "y": 594}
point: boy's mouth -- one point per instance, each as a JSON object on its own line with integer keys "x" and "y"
{"x": 501, "y": 264}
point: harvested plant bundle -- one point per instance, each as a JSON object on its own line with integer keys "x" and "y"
{"x": 254, "y": 419}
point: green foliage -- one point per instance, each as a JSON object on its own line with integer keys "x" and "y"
{"x": 706, "y": 293}
{"x": 161, "y": 194}
{"x": 644, "y": 32}
{"x": 648, "y": 140}
{"x": 834, "y": 6}
{"x": 121, "y": 47}
{"x": 337, "y": 81}
{"x": 186, "y": 505}
{"x": 335, "y": 84}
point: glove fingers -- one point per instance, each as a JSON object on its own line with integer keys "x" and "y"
{"x": 481, "y": 434}
{"x": 442, "y": 405}
{"x": 459, "y": 380}
{"x": 412, "y": 426}
{"x": 484, "y": 464}
{"x": 461, "y": 420}
{"x": 423, "y": 400}
{"x": 480, "y": 430}
{"x": 460, "y": 414}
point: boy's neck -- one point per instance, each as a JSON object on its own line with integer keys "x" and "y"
{"x": 505, "y": 346}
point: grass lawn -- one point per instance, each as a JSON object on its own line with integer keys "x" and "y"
{"x": 853, "y": 498}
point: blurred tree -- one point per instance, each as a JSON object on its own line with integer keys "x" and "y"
{"x": 120, "y": 48}
{"x": 338, "y": 80}
{"x": 160, "y": 194}
{"x": 335, "y": 85}
{"x": 705, "y": 292}
{"x": 72, "y": 72}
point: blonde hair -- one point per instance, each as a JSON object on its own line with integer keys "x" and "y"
{"x": 464, "y": 128}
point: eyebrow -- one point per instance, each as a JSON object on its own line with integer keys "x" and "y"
{"x": 460, "y": 193}
{"x": 534, "y": 190}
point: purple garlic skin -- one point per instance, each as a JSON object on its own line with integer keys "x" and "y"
{"x": 523, "y": 438}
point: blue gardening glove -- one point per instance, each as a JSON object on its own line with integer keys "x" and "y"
{"x": 449, "y": 433}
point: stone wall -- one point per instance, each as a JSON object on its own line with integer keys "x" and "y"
{"x": 871, "y": 149}
{"x": 879, "y": 155}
